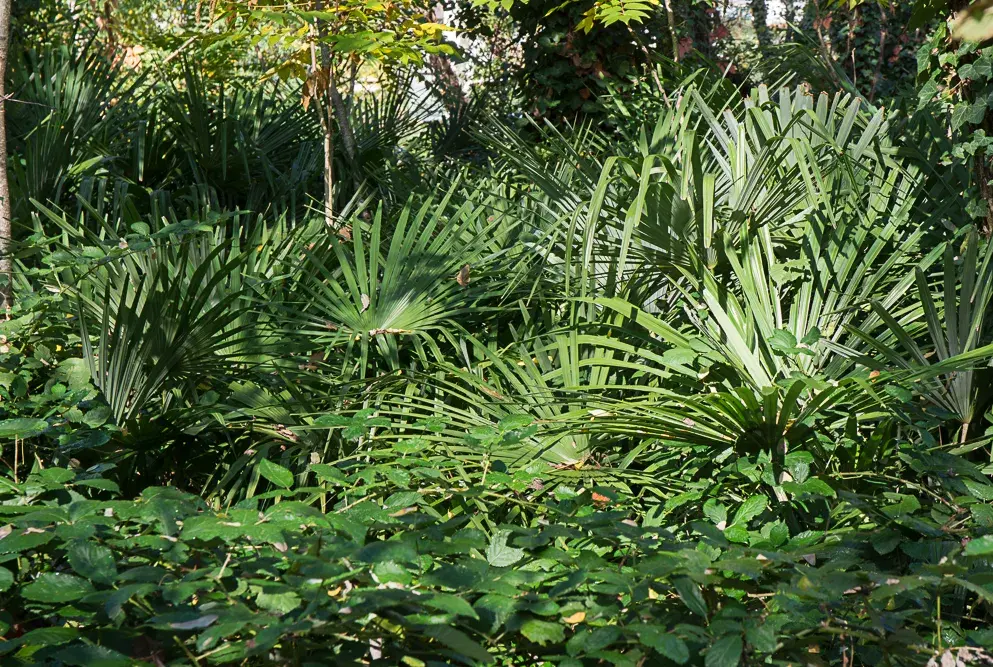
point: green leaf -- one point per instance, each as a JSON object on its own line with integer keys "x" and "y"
{"x": 29, "y": 538}
{"x": 56, "y": 587}
{"x": 22, "y": 427}
{"x": 750, "y": 509}
{"x": 199, "y": 623}
{"x": 691, "y": 595}
{"x": 93, "y": 656}
{"x": 543, "y": 632}
{"x": 498, "y": 554}
{"x": 980, "y": 546}
{"x": 74, "y": 372}
{"x": 715, "y": 511}
{"x": 99, "y": 483}
{"x": 452, "y": 604}
{"x": 813, "y": 487}
{"x": 328, "y": 473}
{"x": 6, "y": 579}
{"x": 725, "y": 652}
{"x": 93, "y": 562}
{"x": 97, "y": 417}
{"x": 49, "y": 636}
{"x": 278, "y": 603}
{"x": 276, "y": 473}
{"x": 459, "y": 642}
{"x": 762, "y": 638}
{"x": 664, "y": 643}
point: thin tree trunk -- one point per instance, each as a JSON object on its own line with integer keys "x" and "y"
{"x": 877, "y": 75}
{"x": 337, "y": 103}
{"x": 314, "y": 90}
{"x": 649, "y": 63}
{"x": 670, "y": 17}
{"x": 344, "y": 124}
{"x": 6, "y": 233}
{"x": 328, "y": 130}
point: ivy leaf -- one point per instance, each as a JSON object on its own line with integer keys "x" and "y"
{"x": 498, "y": 554}
{"x": 276, "y": 473}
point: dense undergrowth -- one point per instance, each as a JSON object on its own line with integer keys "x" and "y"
{"x": 711, "y": 388}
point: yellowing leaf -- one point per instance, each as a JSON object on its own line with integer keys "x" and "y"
{"x": 573, "y": 619}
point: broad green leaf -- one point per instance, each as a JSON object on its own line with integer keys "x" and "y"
{"x": 543, "y": 632}
{"x": 980, "y": 546}
{"x": 97, "y": 417}
{"x": 460, "y": 643}
{"x": 328, "y": 473}
{"x": 665, "y": 643}
{"x": 499, "y": 554}
{"x": 278, "y": 603}
{"x": 751, "y": 508}
{"x": 21, "y": 540}
{"x": 690, "y": 594}
{"x": 22, "y": 427}
{"x": 49, "y": 636}
{"x": 54, "y": 587}
{"x": 276, "y": 473}
{"x": 83, "y": 655}
{"x": 725, "y": 652}
{"x": 452, "y": 604}
{"x": 93, "y": 562}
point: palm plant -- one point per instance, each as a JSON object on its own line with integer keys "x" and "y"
{"x": 74, "y": 119}
{"x": 252, "y": 148}
{"x": 394, "y": 289}
{"x": 955, "y": 326}
{"x": 170, "y": 314}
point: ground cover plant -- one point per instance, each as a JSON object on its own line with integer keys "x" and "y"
{"x": 699, "y": 375}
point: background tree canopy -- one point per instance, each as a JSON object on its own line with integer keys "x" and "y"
{"x": 606, "y": 332}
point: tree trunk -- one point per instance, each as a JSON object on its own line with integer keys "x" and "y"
{"x": 338, "y": 105}
{"x": 105, "y": 23}
{"x": 344, "y": 124}
{"x": 6, "y": 233}
{"x": 328, "y": 130}
{"x": 760, "y": 20}
{"x": 670, "y": 18}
